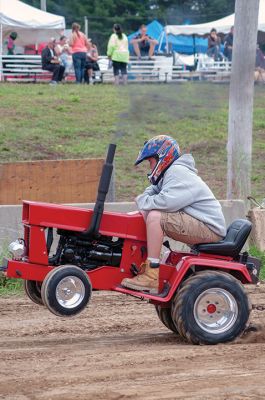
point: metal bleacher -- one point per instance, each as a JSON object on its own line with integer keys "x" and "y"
{"x": 160, "y": 69}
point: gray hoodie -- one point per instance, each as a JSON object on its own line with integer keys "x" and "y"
{"x": 181, "y": 189}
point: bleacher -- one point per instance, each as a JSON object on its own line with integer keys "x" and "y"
{"x": 161, "y": 69}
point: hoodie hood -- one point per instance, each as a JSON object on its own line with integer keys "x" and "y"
{"x": 188, "y": 161}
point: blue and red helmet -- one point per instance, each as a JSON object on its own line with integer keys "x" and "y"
{"x": 165, "y": 149}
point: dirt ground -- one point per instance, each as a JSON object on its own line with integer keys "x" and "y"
{"x": 118, "y": 349}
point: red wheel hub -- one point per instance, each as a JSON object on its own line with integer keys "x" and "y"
{"x": 211, "y": 308}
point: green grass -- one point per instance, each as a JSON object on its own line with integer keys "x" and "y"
{"x": 261, "y": 255}
{"x": 74, "y": 121}
{"x": 10, "y": 286}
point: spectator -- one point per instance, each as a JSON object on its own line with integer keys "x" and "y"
{"x": 11, "y": 43}
{"x": 51, "y": 62}
{"x": 62, "y": 50}
{"x": 91, "y": 63}
{"x": 214, "y": 46}
{"x": 259, "y": 74}
{"x": 79, "y": 45}
{"x": 143, "y": 44}
{"x": 118, "y": 53}
{"x": 228, "y": 42}
{"x": 260, "y": 59}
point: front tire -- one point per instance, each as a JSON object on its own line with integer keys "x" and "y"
{"x": 211, "y": 307}
{"x": 66, "y": 290}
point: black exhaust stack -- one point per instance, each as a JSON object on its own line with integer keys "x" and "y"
{"x": 103, "y": 188}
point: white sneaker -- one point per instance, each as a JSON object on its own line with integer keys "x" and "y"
{"x": 53, "y": 83}
{"x": 91, "y": 82}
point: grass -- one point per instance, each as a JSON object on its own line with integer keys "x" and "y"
{"x": 73, "y": 121}
{"x": 10, "y": 286}
{"x": 261, "y": 255}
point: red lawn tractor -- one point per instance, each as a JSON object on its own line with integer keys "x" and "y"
{"x": 201, "y": 296}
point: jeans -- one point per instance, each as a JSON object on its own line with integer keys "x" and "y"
{"x": 79, "y": 61}
{"x": 215, "y": 53}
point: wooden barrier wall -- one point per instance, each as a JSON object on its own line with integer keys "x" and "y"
{"x": 63, "y": 181}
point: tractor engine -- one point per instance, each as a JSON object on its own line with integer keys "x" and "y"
{"x": 87, "y": 253}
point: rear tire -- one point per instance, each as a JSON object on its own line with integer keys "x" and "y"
{"x": 164, "y": 314}
{"x": 211, "y": 307}
{"x": 66, "y": 290}
{"x": 33, "y": 291}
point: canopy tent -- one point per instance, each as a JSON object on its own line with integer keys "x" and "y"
{"x": 180, "y": 44}
{"x": 222, "y": 25}
{"x": 31, "y": 24}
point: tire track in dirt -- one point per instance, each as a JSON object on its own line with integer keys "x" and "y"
{"x": 118, "y": 349}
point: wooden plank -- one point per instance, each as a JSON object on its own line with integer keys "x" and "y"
{"x": 57, "y": 181}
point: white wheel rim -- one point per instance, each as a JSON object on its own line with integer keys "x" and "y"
{"x": 215, "y": 310}
{"x": 70, "y": 292}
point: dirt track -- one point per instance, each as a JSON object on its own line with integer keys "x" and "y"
{"x": 118, "y": 349}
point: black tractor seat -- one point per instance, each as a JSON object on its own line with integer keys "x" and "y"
{"x": 230, "y": 246}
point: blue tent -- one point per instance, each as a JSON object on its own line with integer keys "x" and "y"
{"x": 180, "y": 43}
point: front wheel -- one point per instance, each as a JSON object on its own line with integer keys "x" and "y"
{"x": 211, "y": 307}
{"x": 66, "y": 290}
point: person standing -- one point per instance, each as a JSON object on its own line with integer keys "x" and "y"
{"x": 118, "y": 53}
{"x": 79, "y": 45}
{"x": 11, "y": 43}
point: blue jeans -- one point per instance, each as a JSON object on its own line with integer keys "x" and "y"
{"x": 79, "y": 61}
{"x": 215, "y": 53}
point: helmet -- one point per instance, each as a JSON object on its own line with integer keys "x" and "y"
{"x": 165, "y": 149}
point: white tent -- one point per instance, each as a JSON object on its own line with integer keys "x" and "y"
{"x": 31, "y": 24}
{"x": 222, "y": 25}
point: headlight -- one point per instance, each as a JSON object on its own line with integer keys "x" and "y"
{"x": 17, "y": 249}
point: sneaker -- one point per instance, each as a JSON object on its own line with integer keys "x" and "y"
{"x": 91, "y": 82}
{"x": 53, "y": 83}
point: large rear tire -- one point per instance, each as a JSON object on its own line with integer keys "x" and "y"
{"x": 66, "y": 290}
{"x": 211, "y": 307}
{"x": 33, "y": 291}
{"x": 164, "y": 314}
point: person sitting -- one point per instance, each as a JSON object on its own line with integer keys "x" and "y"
{"x": 143, "y": 44}
{"x": 91, "y": 63}
{"x": 178, "y": 204}
{"x": 214, "y": 46}
{"x": 51, "y": 62}
{"x": 228, "y": 42}
{"x": 63, "y": 52}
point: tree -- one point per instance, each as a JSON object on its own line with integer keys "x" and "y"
{"x": 102, "y": 14}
